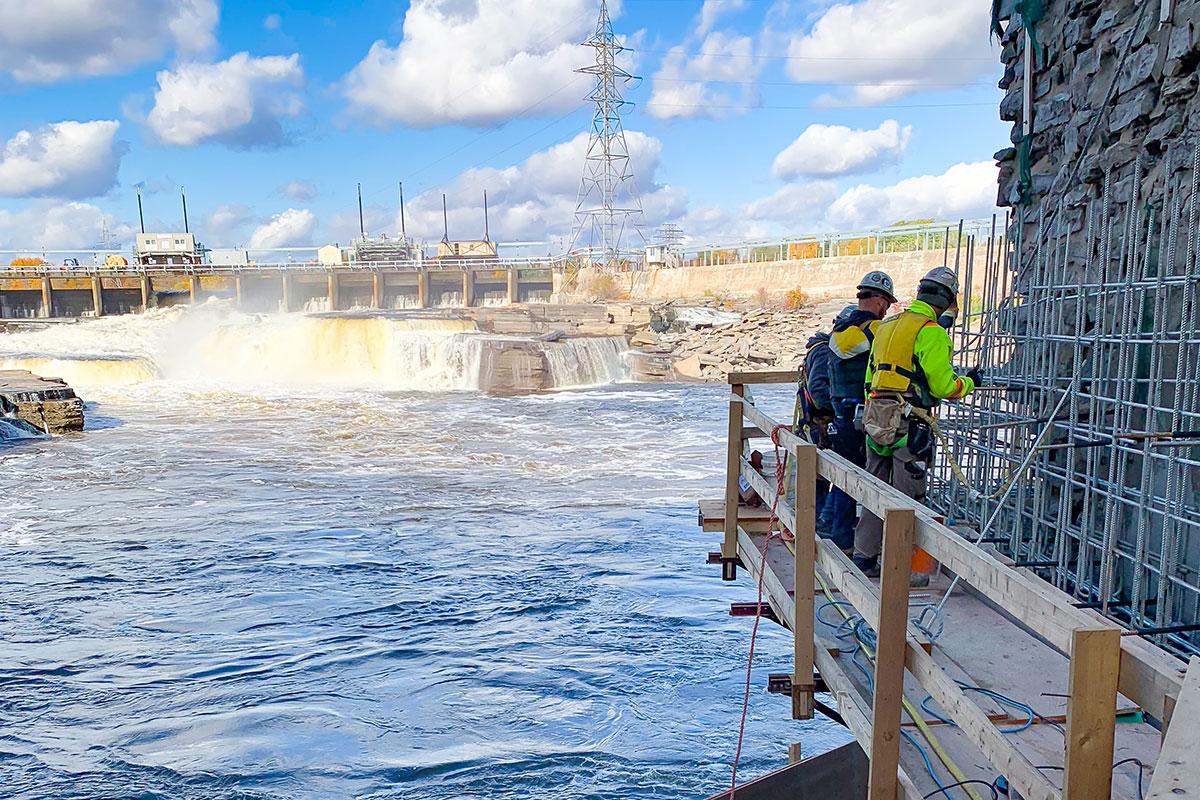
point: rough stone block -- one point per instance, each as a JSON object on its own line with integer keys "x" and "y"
{"x": 1138, "y": 68}
{"x": 1137, "y": 106}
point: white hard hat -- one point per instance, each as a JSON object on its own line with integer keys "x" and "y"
{"x": 879, "y": 282}
{"x": 944, "y": 277}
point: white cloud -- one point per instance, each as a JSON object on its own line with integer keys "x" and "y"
{"x": 300, "y": 191}
{"x": 681, "y": 87}
{"x": 227, "y": 224}
{"x": 65, "y": 159}
{"x": 53, "y": 40}
{"x": 476, "y": 63}
{"x": 713, "y": 10}
{"x": 291, "y": 228}
{"x": 964, "y": 190}
{"x": 240, "y": 101}
{"x": 894, "y": 47}
{"x": 272, "y": 22}
{"x": 536, "y": 198}
{"x": 67, "y": 226}
{"x": 832, "y": 150}
{"x": 797, "y": 207}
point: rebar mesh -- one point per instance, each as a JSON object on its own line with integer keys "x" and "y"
{"x": 1088, "y": 335}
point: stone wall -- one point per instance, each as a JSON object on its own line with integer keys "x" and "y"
{"x": 1113, "y": 85}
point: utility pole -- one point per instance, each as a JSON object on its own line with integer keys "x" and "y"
{"x": 141, "y": 219}
{"x": 445, "y": 222}
{"x": 486, "y": 236}
{"x": 403, "y": 232}
{"x": 362, "y": 228}
{"x": 183, "y": 197}
{"x": 607, "y": 202}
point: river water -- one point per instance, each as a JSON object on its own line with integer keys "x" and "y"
{"x": 320, "y": 581}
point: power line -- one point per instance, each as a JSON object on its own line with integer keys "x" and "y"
{"x": 775, "y": 57}
{"x": 828, "y": 83}
{"x": 832, "y": 107}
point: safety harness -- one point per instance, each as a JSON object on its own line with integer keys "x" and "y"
{"x": 898, "y": 384}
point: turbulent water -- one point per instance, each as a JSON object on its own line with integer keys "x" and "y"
{"x": 271, "y": 569}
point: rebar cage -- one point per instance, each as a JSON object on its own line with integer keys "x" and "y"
{"x": 1081, "y": 450}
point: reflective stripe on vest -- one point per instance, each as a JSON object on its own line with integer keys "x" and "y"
{"x": 893, "y": 367}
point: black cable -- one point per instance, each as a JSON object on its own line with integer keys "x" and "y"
{"x": 945, "y": 790}
{"x": 1141, "y": 772}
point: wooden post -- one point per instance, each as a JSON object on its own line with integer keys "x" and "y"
{"x": 805, "y": 556}
{"x": 147, "y": 291}
{"x": 1091, "y": 712}
{"x": 514, "y": 286}
{"x": 97, "y": 296}
{"x": 332, "y": 293}
{"x": 376, "y": 289}
{"x": 194, "y": 288}
{"x": 733, "y": 471}
{"x": 47, "y": 297}
{"x": 424, "y": 284}
{"x": 1177, "y": 773}
{"x": 795, "y": 753}
{"x": 899, "y": 526}
{"x": 286, "y": 302}
{"x": 468, "y": 292}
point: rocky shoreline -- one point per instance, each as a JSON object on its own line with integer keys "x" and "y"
{"x": 707, "y": 351}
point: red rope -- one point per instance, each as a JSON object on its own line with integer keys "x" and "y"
{"x": 780, "y": 476}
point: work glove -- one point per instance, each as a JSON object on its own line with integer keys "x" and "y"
{"x": 976, "y": 375}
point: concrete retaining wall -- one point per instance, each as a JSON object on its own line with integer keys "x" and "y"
{"x": 819, "y": 278}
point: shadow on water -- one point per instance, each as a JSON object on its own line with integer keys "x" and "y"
{"x": 95, "y": 420}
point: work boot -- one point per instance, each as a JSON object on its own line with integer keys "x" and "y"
{"x": 868, "y": 564}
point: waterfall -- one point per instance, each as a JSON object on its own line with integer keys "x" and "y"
{"x": 586, "y": 362}
{"x": 213, "y": 346}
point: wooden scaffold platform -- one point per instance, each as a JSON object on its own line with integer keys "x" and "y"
{"x": 1017, "y": 692}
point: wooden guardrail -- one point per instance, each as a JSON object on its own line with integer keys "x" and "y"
{"x": 1102, "y": 660}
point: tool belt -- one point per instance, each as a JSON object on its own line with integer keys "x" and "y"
{"x": 884, "y": 418}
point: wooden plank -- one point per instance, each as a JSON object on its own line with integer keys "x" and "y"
{"x": 1177, "y": 773}
{"x": 778, "y": 595}
{"x": 733, "y": 465}
{"x": 804, "y": 552}
{"x": 1091, "y": 713}
{"x": 971, "y": 719}
{"x": 752, "y": 518}
{"x": 767, "y": 491}
{"x": 857, "y": 718}
{"x": 764, "y": 376}
{"x": 1148, "y": 676}
{"x": 858, "y": 589}
{"x": 895, "y": 569}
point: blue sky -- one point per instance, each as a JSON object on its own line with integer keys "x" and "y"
{"x": 752, "y": 117}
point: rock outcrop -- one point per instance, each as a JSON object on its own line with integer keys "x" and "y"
{"x": 48, "y": 404}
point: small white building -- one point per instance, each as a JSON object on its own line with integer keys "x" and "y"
{"x": 662, "y": 256}
{"x": 167, "y": 248}
{"x": 332, "y": 255}
{"x": 467, "y": 248}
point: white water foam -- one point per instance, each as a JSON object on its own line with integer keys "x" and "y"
{"x": 213, "y": 346}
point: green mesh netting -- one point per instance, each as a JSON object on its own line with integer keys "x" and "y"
{"x": 1032, "y": 12}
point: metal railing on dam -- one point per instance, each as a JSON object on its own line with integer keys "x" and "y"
{"x": 46, "y": 291}
{"x": 409, "y": 266}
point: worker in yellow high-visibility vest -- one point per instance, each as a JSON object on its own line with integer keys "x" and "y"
{"x": 909, "y": 366}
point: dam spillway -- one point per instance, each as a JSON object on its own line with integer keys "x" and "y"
{"x": 215, "y": 344}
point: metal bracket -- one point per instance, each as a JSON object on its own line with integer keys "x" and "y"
{"x": 729, "y": 569}
{"x": 781, "y": 683}
{"x": 753, "y": 610}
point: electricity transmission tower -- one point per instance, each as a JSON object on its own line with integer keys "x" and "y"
{"x": 607, "y": 200}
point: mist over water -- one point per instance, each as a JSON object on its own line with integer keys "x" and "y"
{"x": 266, "y": 587}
